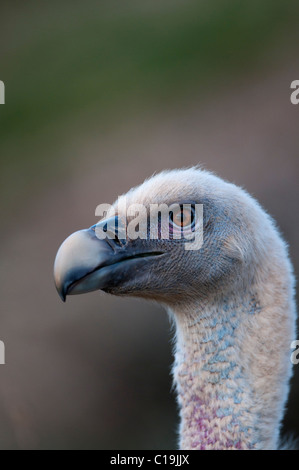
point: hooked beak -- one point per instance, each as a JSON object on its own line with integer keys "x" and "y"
{"x": 79, "y": 256}
{"x": 85, "y": 263}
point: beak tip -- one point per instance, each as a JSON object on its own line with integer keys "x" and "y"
{"x": 62, "y": 296}
{"x": 61, "y": 292}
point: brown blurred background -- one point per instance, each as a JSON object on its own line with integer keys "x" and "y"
{"x": 100, "y": 95}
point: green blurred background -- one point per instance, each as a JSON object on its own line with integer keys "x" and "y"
{"x": 100, "y": 95}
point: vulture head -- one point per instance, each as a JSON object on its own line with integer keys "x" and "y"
{"x": 218, "y": 264}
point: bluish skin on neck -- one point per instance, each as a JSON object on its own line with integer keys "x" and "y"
{"x": 211, "y": 381}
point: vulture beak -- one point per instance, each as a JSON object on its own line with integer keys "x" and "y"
{"x": 85, "y": 263}
{"x": 80, "y": 255}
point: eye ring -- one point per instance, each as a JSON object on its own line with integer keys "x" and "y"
{"x": 183, "y": 217}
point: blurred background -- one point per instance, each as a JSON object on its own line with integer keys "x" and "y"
{"x": 99, "y": 96}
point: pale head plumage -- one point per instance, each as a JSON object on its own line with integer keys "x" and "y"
{"x": 232, "y": 302}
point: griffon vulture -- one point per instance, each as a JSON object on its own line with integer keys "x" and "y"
{"x": 231, "y": 300}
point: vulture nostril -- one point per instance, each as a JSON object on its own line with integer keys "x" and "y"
{"x": 113, "y": 231}
{"x": 115, "y": 242}
{"x": 118, "y": 241}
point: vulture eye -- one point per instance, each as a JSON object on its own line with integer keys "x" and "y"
{"x": 182, "y": 217}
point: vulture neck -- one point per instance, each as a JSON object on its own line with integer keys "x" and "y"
{"x": 221, "y": 397}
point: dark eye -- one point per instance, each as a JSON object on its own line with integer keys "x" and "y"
{"x": 182, "y": 217}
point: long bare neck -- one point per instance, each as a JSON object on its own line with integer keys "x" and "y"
{"x": 231, "y": 380}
